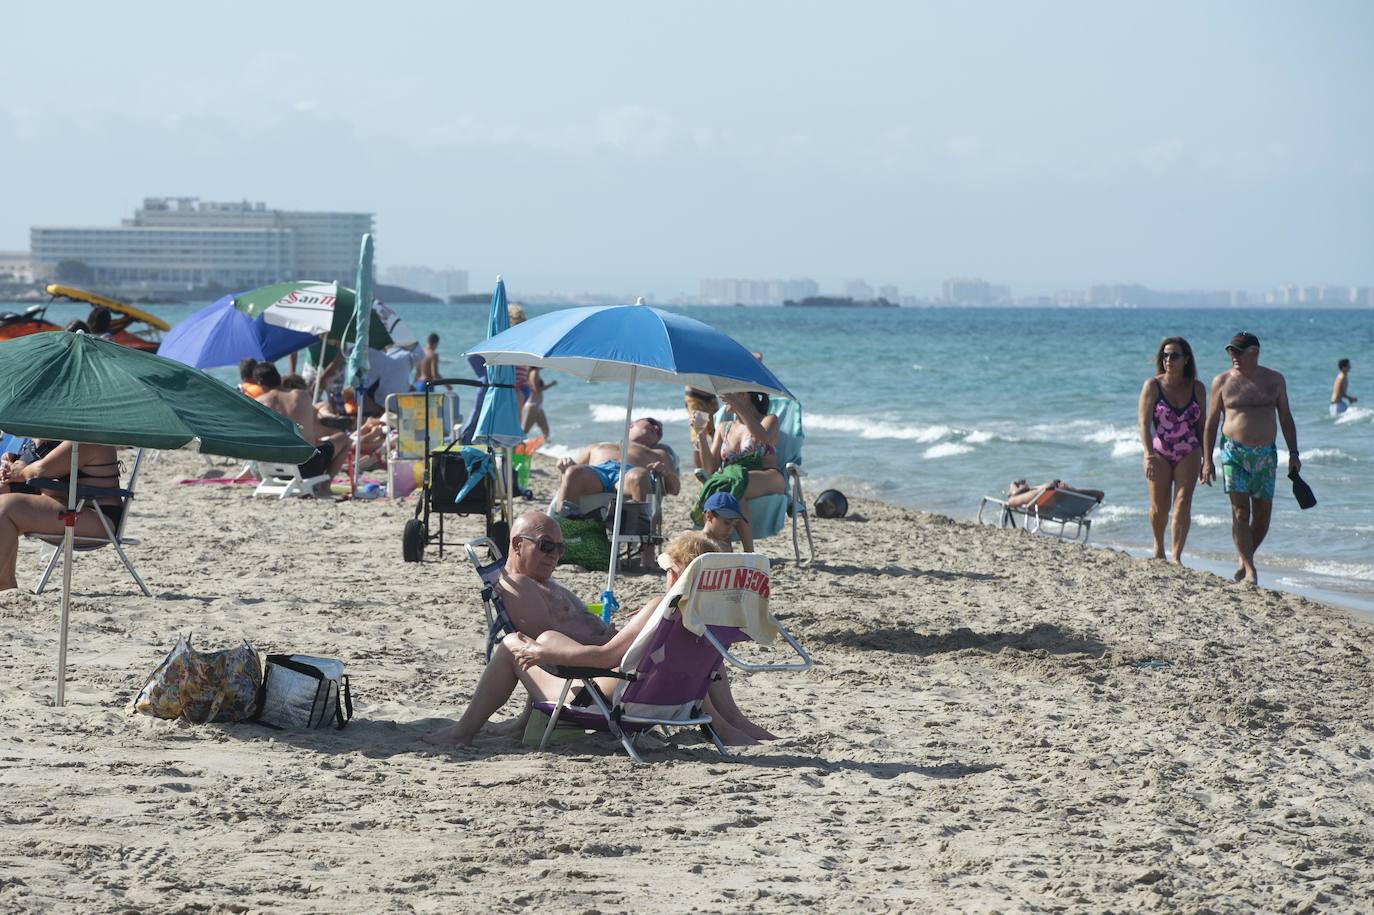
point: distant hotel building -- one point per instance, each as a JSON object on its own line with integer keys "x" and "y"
{"x": 174, "y": 244}
{"x": 755, "y": 292}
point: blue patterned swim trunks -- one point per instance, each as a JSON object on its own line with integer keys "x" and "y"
{"x": 1249, "y": 470}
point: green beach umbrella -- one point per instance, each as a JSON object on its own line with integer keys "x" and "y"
{"x": 325, "y": 310}
{"x": 80, "y": 388}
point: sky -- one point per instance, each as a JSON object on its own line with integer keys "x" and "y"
{"x": 637, "y": 148}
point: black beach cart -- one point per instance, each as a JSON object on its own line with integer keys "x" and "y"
{"x": 445, "y": 475}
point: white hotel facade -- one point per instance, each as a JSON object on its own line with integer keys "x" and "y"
{"x": 174, "y": 244}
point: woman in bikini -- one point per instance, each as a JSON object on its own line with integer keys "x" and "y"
{"x": 1172, "y": 412}
{"x": 25, "y": 508}
{"x": 741, "y": 458}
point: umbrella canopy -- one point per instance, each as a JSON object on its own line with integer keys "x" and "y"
{"x": 220, "y": 334}
{"x": 614, "y": 342}
{"x": 498, "y": 415}
{"x": 81, "y": 388}
{"x": 322, "y": 309}
{"x": 357, "y": 359}
{"x": 630, "y": 342}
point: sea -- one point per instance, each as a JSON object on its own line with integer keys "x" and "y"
{"x": 933, "y": 408}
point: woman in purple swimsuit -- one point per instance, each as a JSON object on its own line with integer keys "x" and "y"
{"x": 1172, "y": 413}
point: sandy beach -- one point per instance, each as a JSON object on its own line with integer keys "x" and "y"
{"x": 995, "y": 722}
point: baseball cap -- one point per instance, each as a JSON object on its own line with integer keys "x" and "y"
{"x": 1243, "y": 340}
{"x": 723, "y": 504}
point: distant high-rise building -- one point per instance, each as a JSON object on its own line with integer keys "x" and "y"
{"x": 964, "y": 291}
{"x": 754, "y": 292}
{"x": 891, "y": 293}
{"x": 858, "y": 290}
{"x": 441, "y": 283}
{"x": 174, "y": 244}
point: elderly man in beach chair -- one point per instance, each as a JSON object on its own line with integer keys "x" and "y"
{"x": 652, "y": 640}
{"x": 1054, "y": 502}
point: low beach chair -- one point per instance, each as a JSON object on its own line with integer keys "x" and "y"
{"x": 641, "y": 528}
{"x": 720, "y": 600}
{"x": 114, "y": 533}
{"x": 768, "y": 514}
{"x": 285, "y": 481}
{"x": 489, "y": 571}
{"x": 1054, "y": 507}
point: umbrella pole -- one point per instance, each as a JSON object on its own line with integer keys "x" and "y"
{"x": 319, "y": 370}
{"x": 68, "y": 519}
{"x": 620, "y": 486}
{"x": 357, "y": 438}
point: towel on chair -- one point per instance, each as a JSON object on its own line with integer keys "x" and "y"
{"x": 732, "y": 478}
{"x": 727, "y": 589}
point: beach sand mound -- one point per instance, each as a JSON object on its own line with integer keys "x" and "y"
{"x": 995, "y": 722}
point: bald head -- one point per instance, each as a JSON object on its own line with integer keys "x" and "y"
{"x": 525, "y": 556}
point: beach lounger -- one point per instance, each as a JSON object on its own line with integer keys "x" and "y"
{"x": 768, "y": 514}
{"x": 1056, "y": 507}
{"x": 114, "y": 533}
{"x": 285, "y": 480}
{"x": 720, "y": 600}
{"x": 641, "y": 528}
{"x": 489, "y": 571}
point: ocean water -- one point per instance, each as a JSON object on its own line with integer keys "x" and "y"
{"x": 933, "y": 408}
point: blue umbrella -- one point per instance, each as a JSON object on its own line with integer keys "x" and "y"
{"x": 498, "y": 415}
{"x": 630, "y": 343}
{"x": 220, "y": 334}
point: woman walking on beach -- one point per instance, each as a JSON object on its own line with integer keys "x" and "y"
{"x": 1172, "y": 413}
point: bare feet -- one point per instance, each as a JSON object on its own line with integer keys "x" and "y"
{"x": 1240, "y": 574}
{"x": 448, "y": 737}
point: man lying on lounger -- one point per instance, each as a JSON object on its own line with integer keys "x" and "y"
{"x": 1020, "y": 495}
{"x": 555, "y": 628}
{"x": 597, "y": 467}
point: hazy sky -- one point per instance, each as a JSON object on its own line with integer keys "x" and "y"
{"x": 638, "y": 147}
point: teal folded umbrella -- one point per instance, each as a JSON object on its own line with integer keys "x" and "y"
{"x": 79, "y": 388}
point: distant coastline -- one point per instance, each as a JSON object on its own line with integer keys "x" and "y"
{"x": 826, "y": 301}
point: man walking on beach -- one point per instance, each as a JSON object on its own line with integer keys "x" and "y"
{"x": 1252, "y": 398}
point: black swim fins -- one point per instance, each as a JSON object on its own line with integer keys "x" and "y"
{"x": 1301, "y": 491}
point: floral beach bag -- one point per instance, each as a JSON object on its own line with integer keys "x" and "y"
{"x": 202, "y": 686}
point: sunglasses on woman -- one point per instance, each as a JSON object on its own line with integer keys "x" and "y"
{"x": 547, "y": 546}
{"x": 1168, "y": 356}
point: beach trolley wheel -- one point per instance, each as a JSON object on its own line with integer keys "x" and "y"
{"x": 413, "y": 540}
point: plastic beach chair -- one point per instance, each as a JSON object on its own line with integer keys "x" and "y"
{"x": 114, "y": 534}
{"x": 489, "y": 571}
{"x": 285, "y": 481}
{"x": 1055, "y": 507}
{"x": 768, "y": 514}
{"x": 720, "y": 600}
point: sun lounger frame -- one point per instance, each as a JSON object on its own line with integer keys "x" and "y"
{"x": 1035, "y": 520}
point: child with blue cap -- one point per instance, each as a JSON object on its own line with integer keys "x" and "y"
{"x": 723, "y": 515}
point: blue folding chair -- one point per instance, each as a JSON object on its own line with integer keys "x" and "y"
{"x": 768, "y": 514}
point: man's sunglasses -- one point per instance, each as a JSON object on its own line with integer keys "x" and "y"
{"x": 547, "y": 546}
{"x": 1236, "y": 349}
